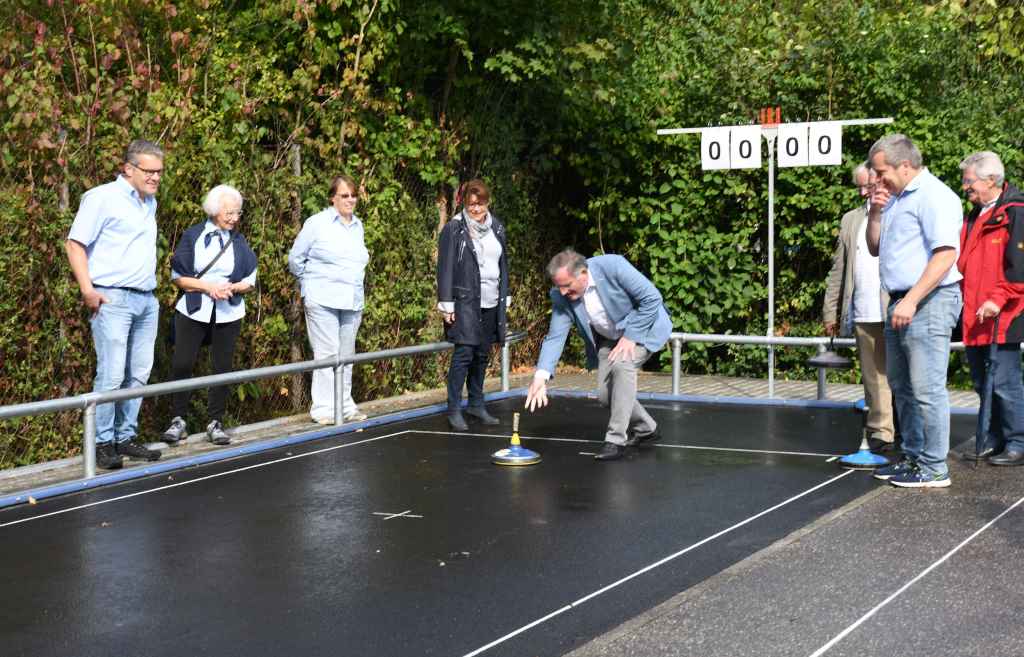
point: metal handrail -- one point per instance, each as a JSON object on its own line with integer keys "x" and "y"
{"x": 677, "y": 340}
{"x": 87, "y": 402}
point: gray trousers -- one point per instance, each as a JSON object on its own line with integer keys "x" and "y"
{"x": 616, "y": 387}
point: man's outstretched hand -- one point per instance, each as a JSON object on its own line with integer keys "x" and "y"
{"x": 537, "y": 395}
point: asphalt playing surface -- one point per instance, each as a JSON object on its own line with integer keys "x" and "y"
{"x": 404, "y": 539}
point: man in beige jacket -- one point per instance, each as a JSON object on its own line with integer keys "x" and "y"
{"x": 854, "y": 305}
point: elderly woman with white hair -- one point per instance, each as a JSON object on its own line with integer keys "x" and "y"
{"x": 213, "y": 266}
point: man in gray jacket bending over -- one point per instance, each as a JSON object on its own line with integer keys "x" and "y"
{"x": 622, "y": 319}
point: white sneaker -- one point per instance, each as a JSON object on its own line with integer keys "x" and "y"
{"x": 176, "y": 432}
{"x": 355, "y": 416}
{"x": 215, "y": 434}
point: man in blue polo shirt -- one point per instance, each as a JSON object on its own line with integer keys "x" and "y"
{"x": 914, "y": 227}
{"x": 112, "y": 251}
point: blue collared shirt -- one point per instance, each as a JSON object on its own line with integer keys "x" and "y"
{"x": 329, "y": 258}
{"x": 218, "y": 273}
{"x": 925, "y": 216}
{"x": 117, "y": 227}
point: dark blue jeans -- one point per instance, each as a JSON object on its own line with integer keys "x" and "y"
{"x": 469, "y": 363}
{"x": 1006, "y": 427}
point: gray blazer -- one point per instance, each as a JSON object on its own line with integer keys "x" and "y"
{"x": 839, "y": 286}
{"x": 629, "y": 298}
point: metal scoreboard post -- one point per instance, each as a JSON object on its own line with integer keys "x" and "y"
{"x": 814, "y": 143}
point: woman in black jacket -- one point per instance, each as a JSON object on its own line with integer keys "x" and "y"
{"x": 213, "y": 266}
{"x": 472, "y": 292}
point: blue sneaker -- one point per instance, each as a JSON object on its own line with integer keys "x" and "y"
{"x": 887, "y": 472}
{"x": 918, "y": 479}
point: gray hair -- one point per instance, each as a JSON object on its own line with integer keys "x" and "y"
{"x": 897, "y": 148}
{"x": 214, "y": 198}
{"x": 986, "y": 165}
{"x": 574, "y": 262}
{"x": 863, "y": 167}
{"x": 142, "y": 147}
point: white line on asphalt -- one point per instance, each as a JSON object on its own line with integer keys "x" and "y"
{"x": 650, "y": 567}
{"x": 839, "y": 637}
{"x": 198, "y": 479}
{"x": 659, "y": 445}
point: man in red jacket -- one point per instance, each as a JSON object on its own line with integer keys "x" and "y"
{"x": 992, "y": 263}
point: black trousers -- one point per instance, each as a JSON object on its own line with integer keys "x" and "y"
{"x": 469, "y": 363}
{"x": 188, "y": 338}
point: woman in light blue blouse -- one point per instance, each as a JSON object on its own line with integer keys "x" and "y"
{"x": 329, "y": 258}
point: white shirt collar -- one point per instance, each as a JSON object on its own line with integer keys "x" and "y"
{"x": 337, "y": 217}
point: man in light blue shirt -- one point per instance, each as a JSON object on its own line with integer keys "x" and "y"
{"x": 914, "y": 227}
{"x": 112, "y": 252}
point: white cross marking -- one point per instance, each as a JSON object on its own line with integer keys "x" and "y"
{"x": 404, "y": 514}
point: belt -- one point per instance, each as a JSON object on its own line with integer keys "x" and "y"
{"x": 600, "y": 338}
{"x": 129, "y": 289}
{"x": 898, "y": 295}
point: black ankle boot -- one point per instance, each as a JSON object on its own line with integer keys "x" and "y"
{"x": 456, "y": 421}
{"x": 480, "y": 413}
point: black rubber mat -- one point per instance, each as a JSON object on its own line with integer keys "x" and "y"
{"x": 406, "y": 540}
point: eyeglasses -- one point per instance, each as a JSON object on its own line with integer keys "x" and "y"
{"x": 346, "y": 196}
{"x": 148, "y": 173}
{"x": 967, "y": 182}
{"x": 233, "y": 213}
{"x": 478, "y": 204}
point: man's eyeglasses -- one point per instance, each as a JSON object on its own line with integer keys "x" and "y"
{"x": 967, "y": 182}
{"x": 148, "y": 173}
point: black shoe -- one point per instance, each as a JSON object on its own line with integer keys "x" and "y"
{"x": 137, "y": 452}
{"x": 480, "y": 413}
{"x": 610, "y": 452}
{"x": 1009, "y": 457}
{"x": 456, "y": 421}
{"x": 879, "y": 446}
{"x": 107, "y": 457}
{"x": 651, "y": 437}
{"x": 985, "y": 453}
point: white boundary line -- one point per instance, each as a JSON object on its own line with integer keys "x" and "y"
{"x": 645, "y": 569}
{"x": 659, "y": 445}
{"x": 361, "y": 442}
{"x": 839, "y": 637}
{"x": 198, "y": 479}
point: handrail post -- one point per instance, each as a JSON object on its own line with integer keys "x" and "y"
{"x": 89, "y": 439}
{"x": 677, "y": 348}
{"x": 505, "y": 367}
{"x": 339, "y": 391}
{"x": 822, "y": 392}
